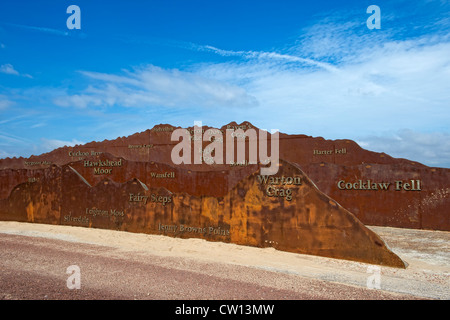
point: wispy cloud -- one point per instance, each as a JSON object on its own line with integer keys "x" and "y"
{"x": 268, "y": 56}
{"x": 38, "y": 125}
{"x": 50, "y": 31}
{"x": 8, "y": 139}
{"x": 40, "y": 29}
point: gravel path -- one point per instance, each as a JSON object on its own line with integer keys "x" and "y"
{"x": 34, "y": 260}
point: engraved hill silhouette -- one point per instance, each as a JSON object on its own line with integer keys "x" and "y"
{"x": 159, "y": 137}
{"x": 331, "y": 164}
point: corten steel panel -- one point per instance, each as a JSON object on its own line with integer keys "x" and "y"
{"x": 248, "y": 212}
{"x": 326, "y": 162}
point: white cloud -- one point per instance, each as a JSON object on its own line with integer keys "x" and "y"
{"x": 432, "y": 149}
{"x": 14, "y": 146}
{"x": 398, "y": 86}
{"x": 51, "y": 144}
{"x": 5, "y": 102}
{"x": 76, "y": 100}
{"x": 153, "y": 86}
{"x": 9, "y": 69}
{"x": 4, "y": 154}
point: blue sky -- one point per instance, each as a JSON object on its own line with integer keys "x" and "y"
{"x": 307, "y": 67}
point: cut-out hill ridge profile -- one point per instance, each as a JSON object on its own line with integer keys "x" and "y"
{"x": 417, "y": 196}
{"x": 317, "y": 203}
